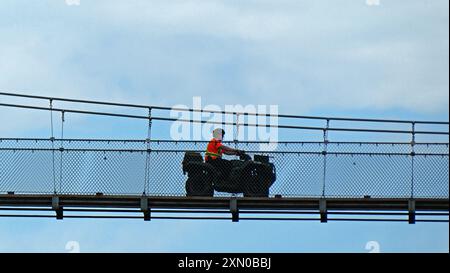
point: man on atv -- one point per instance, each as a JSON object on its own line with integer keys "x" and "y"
{"x": 216, "y": 149}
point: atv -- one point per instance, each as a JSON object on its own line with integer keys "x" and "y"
{"x": 252, "y": 178}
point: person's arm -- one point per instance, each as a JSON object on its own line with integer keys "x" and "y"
{"x": 230, "y": 151}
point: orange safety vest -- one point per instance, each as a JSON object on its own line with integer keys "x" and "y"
{"x": 214, "y": 149}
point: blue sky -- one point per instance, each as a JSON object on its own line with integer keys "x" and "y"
{"x": 334, "y": 58}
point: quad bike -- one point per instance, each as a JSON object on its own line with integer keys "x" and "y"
{"x": 253, "y": 178}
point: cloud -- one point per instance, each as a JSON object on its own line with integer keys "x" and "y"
{"x": 303, "y": 56}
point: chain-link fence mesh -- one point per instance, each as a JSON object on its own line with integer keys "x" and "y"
{"x": 292, "y": 169}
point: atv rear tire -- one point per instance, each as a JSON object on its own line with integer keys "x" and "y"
{"x": 199, "y": 186}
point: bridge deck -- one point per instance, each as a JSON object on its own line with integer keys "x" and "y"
{"x": 107, "y": 206}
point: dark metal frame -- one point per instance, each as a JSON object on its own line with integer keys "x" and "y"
{"x": 219, "y": 112}
{"x": 152, "y": 107}
{"x": 378, "y": 209}
{"x": 109, "y": 206}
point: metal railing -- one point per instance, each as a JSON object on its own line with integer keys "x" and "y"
{"x": 153, "y": 167}
{"x": 136, "y": 167}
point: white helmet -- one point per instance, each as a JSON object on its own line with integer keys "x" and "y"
{"x": 218, "y": 133}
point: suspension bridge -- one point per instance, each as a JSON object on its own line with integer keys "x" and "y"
{"x": 399, "y": 179}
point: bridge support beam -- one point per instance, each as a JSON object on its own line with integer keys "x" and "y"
{"x": 411, "y": 211}
{"x": 145, "y": 208}
{"x": 234, "y": 209}
{"x": 57, "y": 208}
{"x": 323, "y": 210}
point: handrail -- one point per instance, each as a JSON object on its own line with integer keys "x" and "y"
{"x": 225, "y": 142}
{"x": 200, "y": 151}
{"x": 228, "y": 123}
{"x": 222, "y": 112}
